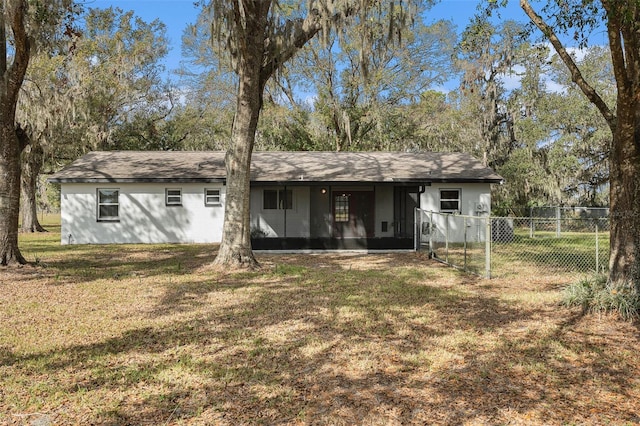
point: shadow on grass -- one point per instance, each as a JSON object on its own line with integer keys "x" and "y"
{"x": 297, "y": 344}
{"x": 87, "y": 263}
{"x": 325, "y": 340}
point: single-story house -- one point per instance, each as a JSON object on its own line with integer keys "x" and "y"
{"x": 299, "y": 200}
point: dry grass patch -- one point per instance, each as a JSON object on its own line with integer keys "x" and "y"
{"x": 150, "y": 335}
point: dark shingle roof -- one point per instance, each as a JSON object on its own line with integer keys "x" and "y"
{"x": 277, "y": 167}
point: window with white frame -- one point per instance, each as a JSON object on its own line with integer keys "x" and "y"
{"x": 173, "y": 196}
{"x": 108, "y": 209}
{"x": 212, "y": 197}
{"x": 277, "y": 199}
{"x": 450, "y": 200}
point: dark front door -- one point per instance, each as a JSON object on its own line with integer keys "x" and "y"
{"x": 353, "y": 214}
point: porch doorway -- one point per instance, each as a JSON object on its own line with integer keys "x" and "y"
{"x": 405, "y": 202}
{"x": 353, "y": 214}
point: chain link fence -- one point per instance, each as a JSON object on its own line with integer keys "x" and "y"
{"x": 509, "y": 246}
{"x": 561, "y": 212}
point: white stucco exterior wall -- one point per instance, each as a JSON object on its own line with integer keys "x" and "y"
{"x": 144, "y": 216}
{"x": 475, "y": 200}
{"x": 471, "y": 194}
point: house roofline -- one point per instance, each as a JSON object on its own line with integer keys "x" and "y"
{"x": 272, "y": 183}
{"x": 137, "y": 180}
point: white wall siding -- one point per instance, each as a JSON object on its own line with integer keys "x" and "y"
{"x": 472, "y": 195}
{"x": 143, "y": 215}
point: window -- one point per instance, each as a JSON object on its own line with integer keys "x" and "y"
{"x": 280, "y": 199}
{"x": 450, "y": 200}
{"x": 211, "y": 197}
{"x": 341, "y": 208}
{"x": 108, "y": 205}
{"x": 173, "y": 197}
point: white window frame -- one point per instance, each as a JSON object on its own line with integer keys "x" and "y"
{"x": 99, "y": 204}
{"x": 211, "y": 199}
{"x": 458, "y": 200}
{"x": 173, "y": 199}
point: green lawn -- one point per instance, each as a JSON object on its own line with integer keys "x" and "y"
{"x": 151, "y": 334}
{"x": 571, "y": 253}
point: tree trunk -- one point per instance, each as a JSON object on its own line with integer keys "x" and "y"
{"x": 235, "y": 248}
{"x": 625, "y": 195}
{"x": 256, "y": 55}
{"x": 32, "y": 158}
{"x": 12, "y": 13}
{"x": 624, "y": 158}
{"x": 9, "y": 194}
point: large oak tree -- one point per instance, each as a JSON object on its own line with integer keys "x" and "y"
{"x": 14, "y": 59}
{"x": 622, "y": 22}
{"x": 24, "y": 25}
{"x": 260, "y": 36}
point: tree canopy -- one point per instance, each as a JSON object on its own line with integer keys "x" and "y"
{"x": 622, "y": 23}
{"x": 334, "y": 76}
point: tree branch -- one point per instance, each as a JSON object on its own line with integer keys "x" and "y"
{"x": 576, "y": 75}
{"x": 617, "y": 49}
{"x": 622, "y": 40}
{"x": 22, "y": 49}
{"x": 279, "y": 53}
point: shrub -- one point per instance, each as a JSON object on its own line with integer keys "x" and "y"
{"x": 597, "y": 294}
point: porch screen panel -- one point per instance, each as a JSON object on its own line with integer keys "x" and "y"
{"x": 273, "y": 199}
{"x": 285, "y": 199}
{"x": 270, "y": 199}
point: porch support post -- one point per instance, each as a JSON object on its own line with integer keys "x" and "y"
{"x": 286, "y": 202}
{"x": 417, "y": 229}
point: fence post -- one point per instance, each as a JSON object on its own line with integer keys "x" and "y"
{"x": 446, "y": 240}
{"x": 487, "y": 248}
{"x": 597, "y": 250}
{"x": 558, "y": 225}
{"x": 431, "y": 250}
{"x": 532, "y": 226}
{"x": 464, "y": 223}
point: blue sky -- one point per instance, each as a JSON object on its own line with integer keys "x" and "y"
{"x": 177, "y": 14}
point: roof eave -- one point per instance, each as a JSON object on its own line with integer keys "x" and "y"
{"x": 468, "y": 180}
{"x": 137, "y": 180}
{"x": 276, "y": 182}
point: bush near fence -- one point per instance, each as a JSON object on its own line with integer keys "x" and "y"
{"x": 537, "y": 245}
